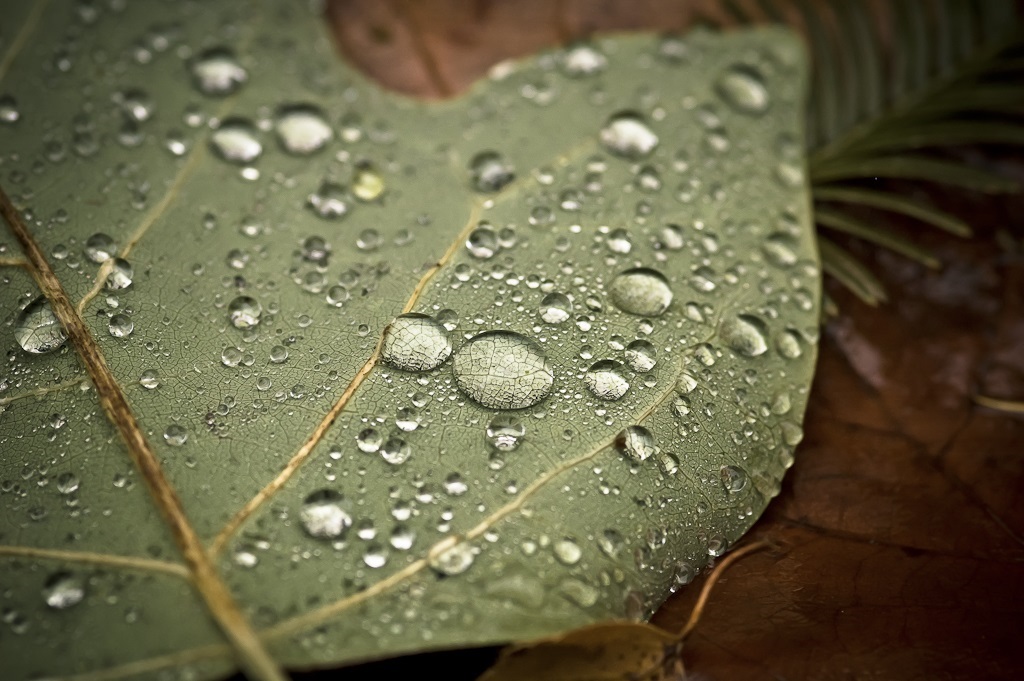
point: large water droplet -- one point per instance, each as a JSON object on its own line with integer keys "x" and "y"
{"x": 746, "y": 334}
{"x": 626, "y": 134}
{"x": 734, "y": 479}
{"x": 323, "y": 515}
{"x": 567, "y": 551}
{"x": 236, "y": 140}
{"x": 641, "y": 355}
{"x": 555, "y": 308}
{"x": 244, "y": 312}
{"x": 415, "y": 342}
{"x": 641, "y": 291}
{"x": 37, "y": 329}
{"x": 489, "y": 171}
{"x": 788, "y": 344}
{"x": 121, "y": 274}
{"x": 395, "y": 451}
{"x": 743, "y": 89}
{"x": 503, "y": 370}
{"x": 63, "y": 590}
{"x": 605, "y": 380}
{"x": 636, "y": 443}
{"x": 482, "y": 242}
{"x": 505, "y": 432}
{"x": 175, "y": 435}
{"x": 120, "y": 326}
{"x": 217, "y": 72}
{"x": 302, "y": 129}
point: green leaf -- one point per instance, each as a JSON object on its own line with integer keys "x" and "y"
{"x": 860, "y": 229}
{"x": 912, "y": 168}
{"x": 850, "y": 273}
{"x": 895, "y": 203}
{"x": 248, "y": 458}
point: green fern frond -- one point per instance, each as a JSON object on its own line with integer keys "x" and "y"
{"x": 893, "y": 81}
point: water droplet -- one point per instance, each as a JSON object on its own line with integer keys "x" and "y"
{"x": 672, "y": 237}
{"x": 67, "y": 483}
{"x": 216, "y": 72}
{"x": 636, "y": 443}
{"x": 618, "y": 241}
{"x": 37, "y": 329}
{"x": 100, "y": 247}
{"x": 611, "y": 542}
{"x": 743, "y": 89}
{"x": 330, "y": 201}
{"x": 120, "y": 326}
{"x": 368, "y": 184}
{"x": 626, "y": 134}
{"x": 641, "y": 291}
{"x": 605, "y": 380}
{"x": 734, "y": 479}
{"x": 376, "y": 556}
{"x": 490, "y": 171}
{"x": 9, "y": 112}
{"x": 788, "y": 344}
{"x": 505, "y": 432}
{"x": 415, "y": 342}
{"x": 455, "y": 486}
{"x": 641, "y": 355}
{"x": 136, "y": 105}
{"x": 503, "y": 370}
{"x": 236, "y": 140}
{"x": 567, "y": 551}
{"x": 175, "y": 435}
{"x": 555, "y": 308}
{"x": 244, "y": 312}
{"x": 407, "y": 419}
{"x": 779, "y": 250}
{"x": 395, "y": 451}
{"x": 583, "y": 60}
{"x": 63, "y": 590}
{"x": 369, "y": 440}
{"x": 402, "y": 537}
{"x": 149, "y": 379}
{"x": 323, "y": 515}
{"x": 121, "y": 274}
{"x": 453, "y": 560}
{"x": 482, "y": 242}
{"x": 745, "y": 334}
{"x": 302, "y": 129}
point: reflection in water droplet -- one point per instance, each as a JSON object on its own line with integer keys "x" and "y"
{"x": 63, "y": 590}
{"x": 121, "y": 274}
{"x": 555, "y": 308}
{"x": 37, "y": 329}
{"x": 626, "y": 134}
{"x": 454, "y": 560}
{"x": 244, "y": 312}
{"x": 746, "y": 334}
{"x": 743, "y": 89}
{"x": 489, "y": 171}
{"x": 605, "y": 380}
{"x": 236, "y": 140}
{"x": 217, "y": 72}
{"x": 323, "y": 515}
{"x": 175, "y": 435}
{"x": 734, "y": 479}
{"x": 641, "y": 355}
{"x": 636, "y": 442}
{"x": 641, "y": 291}
{"x": 505, "y": 432}
{"x": 120, "y": 326}
{"x": 503, "y": 370}
{"x": 415, "y": 342}
{"x": 302, "y": 129}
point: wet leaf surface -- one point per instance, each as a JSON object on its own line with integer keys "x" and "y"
{"x": 320, "y": 374}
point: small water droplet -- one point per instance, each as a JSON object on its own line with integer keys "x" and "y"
{"x": 555, "y": 308}
{"x": 641, "y": 291}
{"x": 490, "y": 171}
{"x": 453, "y": 560}
{"x": 175, "y": 435}
{"x": 627, "y": 134}
{"x": 746, "y": 334}
{"x": 605, "y": 380}
{"x": 217, "y": 72}
{"x": 743, "y": 89}
{"x": 121, "y": 275}
{"x": 611, "y": 542}
{"x": 37, "y": 329}
{"x": 330, "y": 201}
{"x": 636, "y": 443}
{"x": 67, "y": 483}
{"x": 100, "y": 247}
{"x": 302, "y": 129}
{"x": 369, "y": 440}
{"x": 120, "y": 326}
{"x": 567, "y": 551}
{"x": 583, "y": 60}
{"x": 149, "y": 379}
{"x": 395, "y": 451}
{"x": 779, "y": 249}
{"x": 503, "y": 370}
{"x": 9, "y": 112}
{"x": 482, "y": 242}
{"x": 788, "y": 344}
{"x": 244, "y": 312}
{"x": 734, "y": 479}
{"x": 323, "y": 515}
{"x": 63, "y": 590}
{"x": 641, "y": 356}
{"x": 415, "y": 342}
{"x": 505, "y": 432}
{"x": 618, "y": 241}
{"x": 236, "y": 140}
{"x": 368, "y": 184}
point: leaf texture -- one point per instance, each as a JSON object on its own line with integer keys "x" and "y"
{"x": 335, "y": 467}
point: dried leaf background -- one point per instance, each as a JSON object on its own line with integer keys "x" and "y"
{"x": 903, "y": 542}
